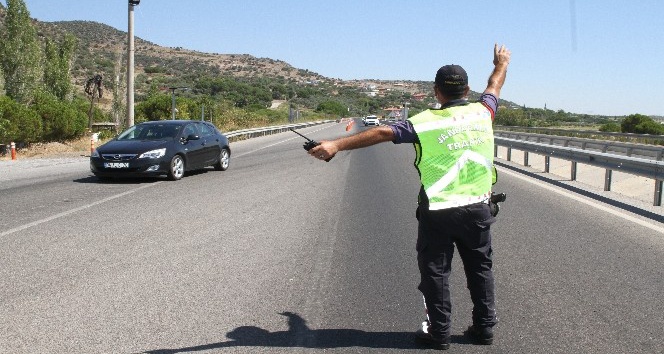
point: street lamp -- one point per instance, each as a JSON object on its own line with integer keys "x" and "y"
{"x": 404, "y": 115}
{"x": 173, "y": 99}
{"x": 130, "y": 63}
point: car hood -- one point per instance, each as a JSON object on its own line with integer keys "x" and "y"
{"x": 131, "y": 146}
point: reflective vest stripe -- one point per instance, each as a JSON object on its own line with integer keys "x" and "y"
{"x": 459, "y": 203}
{"x": 447, "y": 123}
{"x": 453, "y": 172}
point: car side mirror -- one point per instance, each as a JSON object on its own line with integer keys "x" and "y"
{"x": 183, "y": 139}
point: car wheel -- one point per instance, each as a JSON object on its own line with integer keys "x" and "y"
{"x": 224, "y": 160}
{"x": 176, "y": 169}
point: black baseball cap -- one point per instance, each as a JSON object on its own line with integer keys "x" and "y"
{"x": 451, "y": 79}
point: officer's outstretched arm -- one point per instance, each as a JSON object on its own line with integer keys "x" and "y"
{"x": 373, "y": 136}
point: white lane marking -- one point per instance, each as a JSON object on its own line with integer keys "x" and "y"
{"x": 69, "y": 212}
{"x": 591, "y": 203}
{"x": 281, "y": 142}
{"x": 264, "y": 147}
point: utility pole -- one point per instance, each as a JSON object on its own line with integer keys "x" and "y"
{"x": 173, "y": 99}
{"x": 130, "y": 63}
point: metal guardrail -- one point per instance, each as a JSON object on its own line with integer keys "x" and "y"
{"x": 654, "y": 152}
{"x": 254, "y": 132}
{"x": 568, "y": 132}
{"x": 648, "y": 168}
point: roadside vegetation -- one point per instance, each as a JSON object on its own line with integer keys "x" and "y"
{"x": 42, "y": 100}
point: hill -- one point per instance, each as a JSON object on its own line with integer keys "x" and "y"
{"x": 101, "y": 50}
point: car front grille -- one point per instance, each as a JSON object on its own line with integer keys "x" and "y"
{"x": 118, "y": 157}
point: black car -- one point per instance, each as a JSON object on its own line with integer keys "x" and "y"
{"x": 164, "y": 147}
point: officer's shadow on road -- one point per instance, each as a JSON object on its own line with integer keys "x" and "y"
{"x": 299, "y": 335}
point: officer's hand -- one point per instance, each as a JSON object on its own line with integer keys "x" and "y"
{"x": 324, "y": 151}
{"x": 501, "y": 55}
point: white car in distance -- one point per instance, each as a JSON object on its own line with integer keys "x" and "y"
{"x": 371, "y": 120}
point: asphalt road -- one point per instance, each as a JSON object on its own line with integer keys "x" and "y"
{"x": 283, "y": 253}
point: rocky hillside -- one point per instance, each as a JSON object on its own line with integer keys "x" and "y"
{"x": 102, "y": 50}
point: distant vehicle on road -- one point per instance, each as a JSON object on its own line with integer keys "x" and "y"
{"x": 165, "y": 147}
{"x": 371, "y": 120}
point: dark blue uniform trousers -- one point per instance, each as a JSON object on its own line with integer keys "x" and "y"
{"x": 439, "y": 230}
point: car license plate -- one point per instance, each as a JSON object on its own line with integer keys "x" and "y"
{"x": 116, "y": 164}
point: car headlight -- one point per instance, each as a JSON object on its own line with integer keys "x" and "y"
{"x": 153, "y": 154}
{"x": 94, "y": 153}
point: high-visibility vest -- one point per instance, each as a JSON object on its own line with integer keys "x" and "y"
{"x": 455, "y": 154}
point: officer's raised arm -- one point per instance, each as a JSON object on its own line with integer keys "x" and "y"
{"x": 501, "y": 59}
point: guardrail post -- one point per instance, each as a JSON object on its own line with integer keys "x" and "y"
{"x": 653, "y": 169}
{"x": 509, "y": 153}
{"x": 607, "y": 179}
{"x": 495, "y": 151}
{"x": 658, "y": 192}
{"x": 525, "y": 158}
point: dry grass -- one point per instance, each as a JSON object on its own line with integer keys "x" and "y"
{"x": 72, "y": 148}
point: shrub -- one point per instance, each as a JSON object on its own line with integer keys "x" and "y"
{"x": 333, "y": 108}
{"x": 610, "y": 127}
{"x": 155, "y": 70}
{"x": 106, "y": 134}
{"x": 61, "y": 120}
{"x": 156, "y": 107}
{"x": 640, "y": 124}
{"x": 21, "y": 124}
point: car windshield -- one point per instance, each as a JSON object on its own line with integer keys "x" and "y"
{"x": 150, "y": 132}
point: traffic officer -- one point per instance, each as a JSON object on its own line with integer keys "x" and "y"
{"x": 454, "y": 158}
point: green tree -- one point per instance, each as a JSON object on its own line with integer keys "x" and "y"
{"x": 242, "y": 94}
{"x": 4, "y": 123}
{"x": 640, "y": 124}
{"x": 57, "y": 66}
{"x": 2, "y": 83}
{"x": 512, "y": 117}
{"x": 187, "y": 108}
{"x": 4, "y": 128}
{"x": 61, "y": 120}
{"x": 83, "y": 105}
{"x": 628, "y": 125}
{"x": 157, "y": 107}
{"x": 650, "y": 127}
{"x": 279, "y": 91}
{"x": 20, "y": 53}
{"x": 20, "y": 123}
{"x": 332, "y": 107}
{"x": 610, "y": 127}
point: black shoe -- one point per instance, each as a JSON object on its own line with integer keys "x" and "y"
{"x": 427, "y": 339}
{"x": 481, "y": 335}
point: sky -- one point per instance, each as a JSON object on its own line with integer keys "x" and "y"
{"x": 597, "y": 57}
